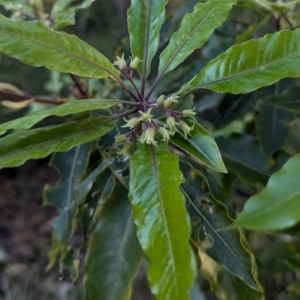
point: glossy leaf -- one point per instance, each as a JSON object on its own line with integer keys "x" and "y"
{"x": 202, "y": 146}
{"x": 251, "y": 65}
{"x": 114, "y": 252}
{"x": 195, "y": 30}
{"x": 71, "y": 166}
{"x": 243, "y": 155}
{"x": 271, "y": 125}
{"x": 36, "y": 45}
{"x": 277, "y": 205}
{"x": 226, "y": 286}
{"x": 20, "y": 146}
{"x": 228, "y": 248}
{"x": 70, "y": 107}
{"x": 145, "y": 18}
{"x": 160, "y": 214}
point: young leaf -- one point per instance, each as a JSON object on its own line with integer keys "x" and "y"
{"x": 71, "y": 166}
{"x": 114, "y": 252}
{"x": 226, "y": 286}
{"x": 70, "y": 107}
{"x": 162, "y": 222}
{"x": 145, "y": 18}
{"x": 195, "y": 30}
{"x": 20, "y": 146}
{"x": 277, "y": 206}
{"x": 202, "y": 146}
{"x": 246, "y": 67}
{"x": 36, "y": 45}
{"x": 227, "y": 248}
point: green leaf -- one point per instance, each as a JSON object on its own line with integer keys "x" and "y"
{"x": 195, "y": 30}
{"x": 277, "y": 206}
{"x": 271, "y": 125}
{"x": 70, "y": 107}
{"x": 114, "y": 252}
{"x": 289, "y": 99}
{"x": 87, "y": 183}
{"x": 64, "y": 195}
{"x": 145, "y": 18}
{"x": 226, "y": 286}
{"x": 246, "y": 67}
{"x": 163, "y": 226}
{"x": 68, "y": 260}
{"x": 242, "y": 155}
{"x": 20, "y": 146}
{"x": 64, "y": 13}
{"x": 98, "y": 195}
{"x": 202, "y": 146}
{"x": 228, "y": 248}
{"x": 36, "y": 45}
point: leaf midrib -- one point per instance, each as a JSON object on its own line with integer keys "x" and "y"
{"x": 266, "y": 209}
{"x": 185, "y": 41}
{"x": 54, "y": 140}
{"x": 213, "y": 229}
{"x": 156, "y": 175}
{"x": 247, "y": 72}
{"x": 60, "y": 49}
{"x": 244, "y": 164}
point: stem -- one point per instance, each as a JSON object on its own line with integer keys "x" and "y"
{"x": 121, "y": 115}
{"x": 80, "y": 86}
{"x": 157, "y": 80}
{"x": 125, "y": 87}
{"x": 129, "y": 77}
{"x": 35, "y": 98}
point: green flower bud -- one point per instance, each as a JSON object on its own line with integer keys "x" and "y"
{"x": 131, "y": 122}
{"x": 164, "y": 133}
{"x": 146, "y": 116}
{"x": 126, "y": 149}
{"x": 189, "y": 113}
{"x": 121, "y": 63}
{"x": 185, "y": 128}
{"x": 169, "y": 101}
{"x": 160, "y": 101}
{"x": 134, "y": 62}
{"x": 120, "y": 138}
{"x": 148, "y": 136}
{"x": 171, "y": 123}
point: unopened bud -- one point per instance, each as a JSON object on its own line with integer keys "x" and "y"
{"x": 185, "y": 129}
{"x": 121, "y": 63}
{"x": 189, "y": 113}
{"x": 164, "y": 133}
{"x": 134, "y": 62}
{"x": 120, "y": 138}
{"x": 148, "y": 136}
{"x": 126, "y": 150}
{"x": 160, "y": 101}
{"x": 131, "y": 122}
{"x": 146, "y": 116}
{"x": 169, "y": 101}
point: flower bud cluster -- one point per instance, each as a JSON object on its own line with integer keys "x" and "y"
{"x": 122, "y": 65}
{"x": 166, "y": 103}
{"x": 144, "y": 128}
